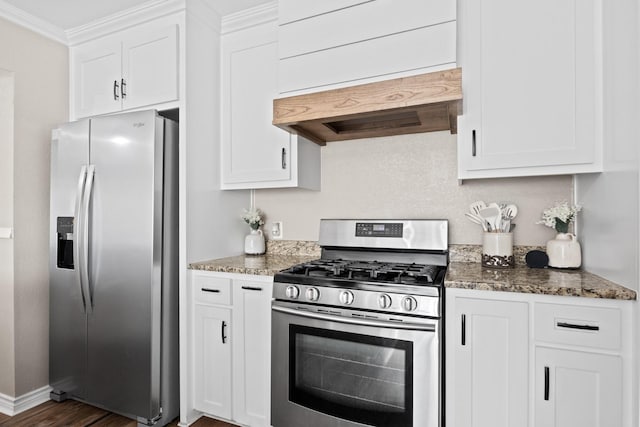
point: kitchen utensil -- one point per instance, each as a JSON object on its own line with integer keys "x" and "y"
{"x": 476, "y": 207}
{"x": 476, "y": 219}
{"x": 510, "y": 211}
{"x": 492, "y": 215}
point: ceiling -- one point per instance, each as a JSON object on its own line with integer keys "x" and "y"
{"x": 67, "y": 14}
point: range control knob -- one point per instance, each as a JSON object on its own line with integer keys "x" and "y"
{"x": 292, "y": 292}
{"x": 346, "y": 297}
{"x": 313, "y": 294}
{"x": 384, "y": 301}
{"x": 409, "y": 303}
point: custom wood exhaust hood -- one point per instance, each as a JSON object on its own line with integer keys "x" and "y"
{"x": 423, "y": 103}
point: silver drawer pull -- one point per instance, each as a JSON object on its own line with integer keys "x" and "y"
{"x": 579, "y": 327}
{"x": 215, "y": 291}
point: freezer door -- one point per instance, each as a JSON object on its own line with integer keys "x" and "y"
{"x": 67, "y": 318}
{"x": 124, "y": 263}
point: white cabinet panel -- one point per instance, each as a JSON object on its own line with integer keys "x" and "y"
{"x": 212, "y": 347}
{"x": 488, "y": 363}
{"x": 577, "y": 389}
{"x": 252, "y": 353}
{"x": 371, "y": 58}
{"x": 533, "y": 98}
{"x": 293, "y": 10}
{"x": 128, "y": 69}
{"x": 255, "y": 153}
{"x": 337, "y": 29}
{"x": 150, "y": 67}
{"x": 97, "y": 70}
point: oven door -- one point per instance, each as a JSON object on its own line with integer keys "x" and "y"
{"x": 349, "y": 370}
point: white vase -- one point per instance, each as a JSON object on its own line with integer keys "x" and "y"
{"x": 254, "y": 243}
{"x": 564, "y": 251}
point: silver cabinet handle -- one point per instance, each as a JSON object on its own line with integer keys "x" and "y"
{"x": 284, "y": 158}
{"x": 84, "y": 250}
{"x": 123, "y": 88}
{"x": 116, "y": 95}
{"x": 78, "y": 229}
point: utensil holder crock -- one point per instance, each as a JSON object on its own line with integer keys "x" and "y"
{"x": 497, "y": 250}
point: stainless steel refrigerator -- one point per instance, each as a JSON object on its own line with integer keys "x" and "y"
{"x": 113, "y": 265}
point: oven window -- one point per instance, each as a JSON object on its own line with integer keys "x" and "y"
{"x": 362, "y": 378}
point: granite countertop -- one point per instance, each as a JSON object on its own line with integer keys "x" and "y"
{"x": 464, "y": 272}
{"x": 262, "y": 265}
{"x": 280, "y": 255}
{"x": 522, "y": 279}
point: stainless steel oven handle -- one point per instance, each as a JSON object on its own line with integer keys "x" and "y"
{"x": 356, "y": 321}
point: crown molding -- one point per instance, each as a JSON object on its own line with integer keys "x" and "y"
{"x": 33, "y": 23}
{"x": 127, "y": 18}
{"x": 250, "y": 17}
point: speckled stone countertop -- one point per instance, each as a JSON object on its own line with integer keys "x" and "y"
{"x": 522, "y": 279}
{"x": 280, "y": 255}
{"x": 464, "y": 272}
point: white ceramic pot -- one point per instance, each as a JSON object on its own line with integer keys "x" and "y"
{"x": 564, "y": 251}
{"x": 497, "y": 250}
{"x": 254, "y": 243}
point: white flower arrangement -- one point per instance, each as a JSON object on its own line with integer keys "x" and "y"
{"x": 559, "y": 216}
{"x": 253, "y": 217}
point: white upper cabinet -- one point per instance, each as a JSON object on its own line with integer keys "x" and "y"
{"x": 130, "y": 69}
{"x": 532, "y": 76}
{"x": 255, "y": 153}
{"x": 337, "y": 43}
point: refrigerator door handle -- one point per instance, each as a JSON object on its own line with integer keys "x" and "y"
{"x": 78, "y": 219}
{"x": 84, "y": 245}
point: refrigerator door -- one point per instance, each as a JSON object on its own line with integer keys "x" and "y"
{"x": 125, "y": 245}
{"x": 67, "y": 318}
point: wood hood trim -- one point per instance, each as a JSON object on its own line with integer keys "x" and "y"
{"x": 423, "y": 103}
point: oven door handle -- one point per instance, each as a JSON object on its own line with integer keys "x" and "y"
{"x": 429, "y": 327}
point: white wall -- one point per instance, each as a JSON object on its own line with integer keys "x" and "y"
{"x": 40, "y": 70}
{"x": 411, "y": 176}
{"x": 7, "y": 359}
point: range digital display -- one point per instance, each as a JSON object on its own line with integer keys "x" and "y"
{"x": 379, "y": 229}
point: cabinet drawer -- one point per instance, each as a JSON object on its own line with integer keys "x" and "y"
{"x": 212, "y": 290}
{"x": 596, "y": 327}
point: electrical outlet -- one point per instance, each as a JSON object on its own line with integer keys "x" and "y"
{"x": 276, "y": 230}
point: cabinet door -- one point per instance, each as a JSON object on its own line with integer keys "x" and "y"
{"x": 212, "y": 370}
{"x": 252, "y": 353}
{"x": 253, "y": 150}
{"x": 577, "y": 389}
{"x": 96, "y": 77}
{"x": 149, "y": 66}
{"x": 532, "y": 88}
{"x": 489, "y": 365}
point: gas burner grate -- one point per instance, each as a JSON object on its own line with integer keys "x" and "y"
{"x": 381, "y": 272}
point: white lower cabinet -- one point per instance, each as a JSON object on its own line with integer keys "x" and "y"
{"x": 488, "y": 342}
{"x": 537, "y": 360}
{"x": 212, "y": 360}
{"x": 231, "y": 341}
{"x": 577, "y": 389}
{"x": 252, "y": 352}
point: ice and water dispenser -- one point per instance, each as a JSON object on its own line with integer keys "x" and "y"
{"x": 65, "y": 242}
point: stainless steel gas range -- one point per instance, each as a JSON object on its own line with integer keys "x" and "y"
{"x": 357, "y": 334}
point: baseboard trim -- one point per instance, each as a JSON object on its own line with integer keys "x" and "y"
{"x": 14, "y": 405}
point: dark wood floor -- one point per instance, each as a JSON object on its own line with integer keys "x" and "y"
{"x": 75, "y": 414}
